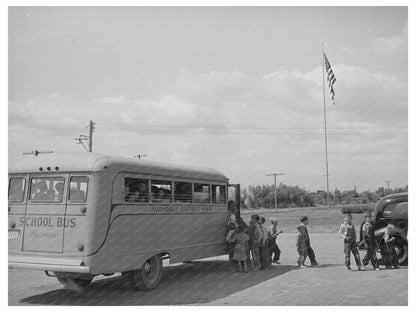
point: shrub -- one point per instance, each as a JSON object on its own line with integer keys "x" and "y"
{"x": 357, "y": 209}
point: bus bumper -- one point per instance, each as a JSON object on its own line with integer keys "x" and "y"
{"x": 48, "y": 264}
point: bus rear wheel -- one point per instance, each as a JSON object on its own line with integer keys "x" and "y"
{"x": 148, "y": 276}
{"x": 74, "y": 281}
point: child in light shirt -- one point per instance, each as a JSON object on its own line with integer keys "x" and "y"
{"x": 347, "y": 232}
{"x": 240, "y": 250}
{"x": 274, "y": 248}
{"x": 390, "y": 256}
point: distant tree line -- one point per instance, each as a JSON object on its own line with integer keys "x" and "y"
{"x": 262, "y": 196}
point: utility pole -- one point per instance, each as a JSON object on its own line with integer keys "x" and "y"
{"x": 275, "y": 187}
{"x": 91, "y": 131}
{"x": 139, "y": 156}
{"x": 87, "y": 137}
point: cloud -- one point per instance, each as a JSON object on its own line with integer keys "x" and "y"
{"x": 242, "y": 125}
{"x": 392, "y": 46}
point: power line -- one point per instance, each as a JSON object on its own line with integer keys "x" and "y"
{"x": 127, "y": 126}
{"x": 157, "y": 131}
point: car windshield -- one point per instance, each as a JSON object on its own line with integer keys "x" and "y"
{"x": 396, "y": 211}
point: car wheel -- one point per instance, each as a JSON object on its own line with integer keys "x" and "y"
{"x": 401, "y": 248}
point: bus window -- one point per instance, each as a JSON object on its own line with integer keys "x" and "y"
{"x": 218, "y": 194}
{"x": 161, "y": 191}
{"x": 17, "y": 189}
{"x": 136, "y": 190}
{"x": 183, "y": 192}
{"x": 47, "y": 189}
{"x": 78, "y": 188}
{"x": 201, "y": 193}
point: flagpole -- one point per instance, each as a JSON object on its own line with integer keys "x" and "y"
{"x": 326, "y": 139}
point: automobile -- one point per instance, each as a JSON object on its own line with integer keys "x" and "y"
{"x": 392, "y": 209}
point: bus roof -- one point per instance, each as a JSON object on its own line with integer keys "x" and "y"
{"x": 90, "y": 162}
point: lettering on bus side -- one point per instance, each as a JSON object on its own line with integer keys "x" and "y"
{"x": 47, "y": 222}
{"x": 181, "y": 209}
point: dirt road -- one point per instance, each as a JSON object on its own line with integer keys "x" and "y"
{"x": 214, "y": 282}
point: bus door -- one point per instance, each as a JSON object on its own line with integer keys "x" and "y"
{"x": 76, "y": 210}
{"x": 234, "y": 196}
{"x": 45, "y": 213}
{"x": 18, "y": 189}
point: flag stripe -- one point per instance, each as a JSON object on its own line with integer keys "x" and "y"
{"x": 330, "y": 78}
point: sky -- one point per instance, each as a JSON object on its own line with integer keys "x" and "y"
{"x": 236, "y": 89}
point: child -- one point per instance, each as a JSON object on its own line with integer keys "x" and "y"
{"x": 230, "y": 239}
{"x": 347, "y": 232}
{"x": 274, "y": 248}
{"x": 241, "y": 246}
{"x": 265, "y": 259}
{"x": 369, "y": 241}
{"x": 256, "y": 236}
{"x": 301, "y": 247}
{"x": 390, "y": 256}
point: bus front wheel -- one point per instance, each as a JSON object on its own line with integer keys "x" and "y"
{"x": 148, "y": 276}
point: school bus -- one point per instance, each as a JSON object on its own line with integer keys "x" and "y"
{"x": 79, "y": 216}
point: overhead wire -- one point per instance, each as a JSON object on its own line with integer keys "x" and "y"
{"x": 179, "y": 129}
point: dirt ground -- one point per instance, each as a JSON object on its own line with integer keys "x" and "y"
{"x": 215, "y": 282}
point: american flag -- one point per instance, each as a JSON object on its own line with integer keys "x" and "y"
{"x": 330, "y": 77}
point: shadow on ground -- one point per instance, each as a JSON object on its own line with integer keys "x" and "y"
{"x": 198, "y": 282}
{"x": 321, "y": 266}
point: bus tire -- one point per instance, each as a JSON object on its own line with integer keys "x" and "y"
{"x": 148, "y": 276}
{"x": 74, "y": 282}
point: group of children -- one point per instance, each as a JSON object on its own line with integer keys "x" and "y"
{"x": 256, "y": 243}
{"x": 347, "y": 232}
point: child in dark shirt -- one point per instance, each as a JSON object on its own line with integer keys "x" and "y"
{"x": 301, "y": 247}
{"x": 369, "y": 241}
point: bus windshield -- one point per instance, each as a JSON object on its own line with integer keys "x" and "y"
{"x": 47, "y": 189}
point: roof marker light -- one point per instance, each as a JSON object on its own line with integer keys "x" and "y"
{"x": 40, "y": 169}
{"x": 56, "y": 168}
